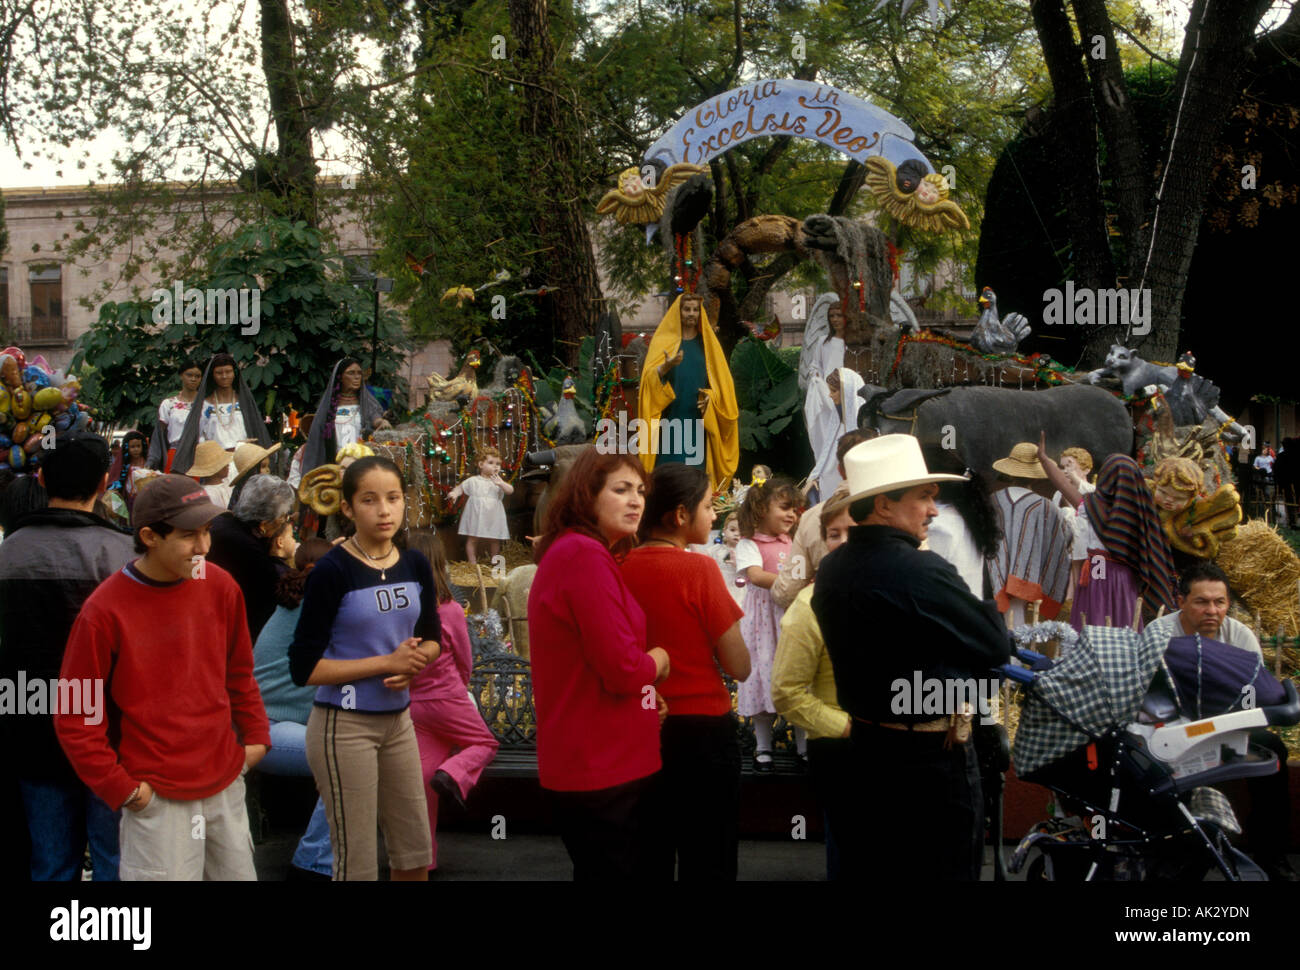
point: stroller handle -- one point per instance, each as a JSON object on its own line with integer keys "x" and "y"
{"x": 1021, "y": 675}
{"x": 1025, "y": 675}
{"x": 1036, "y": 661}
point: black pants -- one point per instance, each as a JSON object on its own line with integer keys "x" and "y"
{"x": 697, "y": 799}
{"x": 1268, "y": 825}
{"x": 917, "y": 811}
{"x": 831, "y": 760}
{"x": 609, "y": 832}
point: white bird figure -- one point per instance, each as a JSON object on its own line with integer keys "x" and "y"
{"x": 994, "y": 336}
{"x": 563, "y": 424}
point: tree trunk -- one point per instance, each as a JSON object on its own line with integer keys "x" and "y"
{"x": 561, "y": 225}
{"x": 1072, "y": 131}
{"x": 1127, "y": 172}
{"x": 763, "y": 280}
{"x": 296, "y": 174}
{"x": 1211, "y": 68}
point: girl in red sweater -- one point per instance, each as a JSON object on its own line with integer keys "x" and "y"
{"x": 593, "y": 678}
{"x": 689, "y": 608}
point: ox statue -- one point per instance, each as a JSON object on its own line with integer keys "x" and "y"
{"x": 983, "y": 424}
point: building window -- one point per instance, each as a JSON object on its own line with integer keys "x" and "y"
{"x": 47, "y": 302}
{"x": 4, "y": 297}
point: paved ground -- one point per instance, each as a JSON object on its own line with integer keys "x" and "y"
{"x": 474, "y": 856}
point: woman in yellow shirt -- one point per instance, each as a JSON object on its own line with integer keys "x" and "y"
{"x": 803, "y": 691}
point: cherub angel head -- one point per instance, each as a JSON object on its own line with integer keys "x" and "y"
{"x": 629, "y": 182}
{"x": 914, "y": 196}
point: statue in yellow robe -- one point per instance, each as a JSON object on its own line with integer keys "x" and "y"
{"x": 686, "y": 377}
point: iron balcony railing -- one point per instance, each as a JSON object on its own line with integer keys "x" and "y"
{"x": 34, "y": 331}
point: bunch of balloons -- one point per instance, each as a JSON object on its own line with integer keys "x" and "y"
{"x": 35, "y": 402}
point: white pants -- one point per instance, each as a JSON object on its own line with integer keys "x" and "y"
{"x": 207, "y": 838}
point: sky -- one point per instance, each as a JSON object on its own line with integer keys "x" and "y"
{"x": 332, "y": 148}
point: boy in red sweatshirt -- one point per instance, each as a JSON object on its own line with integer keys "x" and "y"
{"x": 167, "y": 636}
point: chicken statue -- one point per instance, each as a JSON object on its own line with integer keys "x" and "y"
{"x": 998, "y": 336}
{"x": 464, "y": 386}
{"x": 563, "y": 425}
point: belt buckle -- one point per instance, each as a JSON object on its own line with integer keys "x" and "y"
{"x": 959, "y": 731}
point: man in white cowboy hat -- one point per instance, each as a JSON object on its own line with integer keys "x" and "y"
{"x": 897, "y": 621}
{"x": 1033, "y": 562}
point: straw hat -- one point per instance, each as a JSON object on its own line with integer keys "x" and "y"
{"x": 890, "y": 462}
{"x": 248, "y": 456}
{"x": 1022, "y": 462}
{"x": 209, "y": 458}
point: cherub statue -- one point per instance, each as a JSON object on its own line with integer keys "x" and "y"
{"x": 1193, "y": 523}
{"x": 913, "y": 196}
{"x": 633, "y": 203}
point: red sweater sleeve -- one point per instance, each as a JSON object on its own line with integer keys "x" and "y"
{"x": 88, "y": 657}
{"x": 246, "y": 708}
{"x": 614, "y": 649}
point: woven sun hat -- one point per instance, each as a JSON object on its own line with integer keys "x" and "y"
{"x": 1022, "y": 462}
{"x": 209, "y": 458}
{"x": 884, "y": 464}
{"x": 248, "y": 456}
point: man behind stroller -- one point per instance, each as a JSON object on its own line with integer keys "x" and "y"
{"x": 1203, "y": 601}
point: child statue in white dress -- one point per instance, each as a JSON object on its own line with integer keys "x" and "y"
{"x": 484, "y": 517}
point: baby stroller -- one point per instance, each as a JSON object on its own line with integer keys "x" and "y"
{"x": 1125, "y": 746}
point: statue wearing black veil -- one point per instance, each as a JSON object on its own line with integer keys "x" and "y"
{"x": 326, "y": 437}
{"x": 253, "y": 425}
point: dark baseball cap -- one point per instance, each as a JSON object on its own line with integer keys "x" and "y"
{"x": 174, "y": 499}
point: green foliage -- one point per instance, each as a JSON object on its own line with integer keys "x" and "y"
{"x": 309, "y": 318}
{"x": 460, "y": 191}
{"x": 771, "y": 409}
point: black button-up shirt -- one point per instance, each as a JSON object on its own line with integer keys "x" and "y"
{"x": 887, "y": 611}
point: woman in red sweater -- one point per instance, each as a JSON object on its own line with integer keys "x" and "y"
{"x": 593, "y": 678}
{"x": 689, "y": 608}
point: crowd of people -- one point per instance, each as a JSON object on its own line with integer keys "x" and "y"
{"x": 625, "y": 621}
{"x": 223, "y": 643}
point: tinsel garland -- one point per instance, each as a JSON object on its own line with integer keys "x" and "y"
{"x": 686, "y": 277}
{"x": 609, "y": 396}
{"x": 1027, "y": 636}
{"x": 476, "y": 425}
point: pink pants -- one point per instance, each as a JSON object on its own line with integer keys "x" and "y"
{"x": 448, "y": 724}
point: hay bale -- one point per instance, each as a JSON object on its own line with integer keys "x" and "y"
{"x": 1264, "y": 571}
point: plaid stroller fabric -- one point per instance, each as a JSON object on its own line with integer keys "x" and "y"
{"x": 1098, "y": 684}
{"x": 1208, "y": 804}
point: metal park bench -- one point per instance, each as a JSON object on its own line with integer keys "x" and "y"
{"x": 503, "y": 689}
